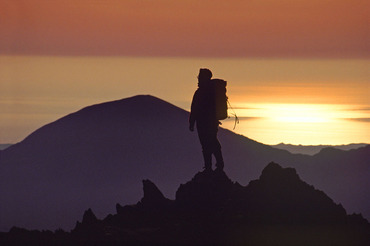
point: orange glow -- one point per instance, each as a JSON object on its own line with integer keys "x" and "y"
{"x": 307, "y": 124}
{"x": 305, "y": 28}
{"x": 299, "y": 64}
{"x": 298, "y": 113}
{"x": 292, "y": 101}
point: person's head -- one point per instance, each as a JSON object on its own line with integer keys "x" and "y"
{"x": 204, "y": 75}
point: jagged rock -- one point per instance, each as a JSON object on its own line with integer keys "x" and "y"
{"x": 89, "y": 217}
{"x": 357, "y": 219}
{"x": 280, "y": 196}
{"x": 119, "y": 208}
{"x": 274, "y": 173}
{"x": 152, "y": 195}
{"x": 153, "y": 198}
{"x": 206, "y": 192}
{"x": 277, "y": 209}
{"x": 150, "y": 210}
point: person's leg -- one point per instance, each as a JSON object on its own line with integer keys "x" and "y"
{"x": 218, "y": 156}
{"x": 217, "y": 151}
{"x": 207, "y": 156}
{"x": 204, "y": 138}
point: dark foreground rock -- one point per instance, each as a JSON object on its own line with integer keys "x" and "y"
{"x": 277, "y": 209}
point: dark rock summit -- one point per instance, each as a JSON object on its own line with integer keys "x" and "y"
{"x": 207, "y": 191}
{"x": 279, "y": 196}
{"x": 276, "y": 209}
{"x": 152, "y": 195}
{"x": 89, "y": 217}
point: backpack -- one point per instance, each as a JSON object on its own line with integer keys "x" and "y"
{"x": 220, "y": 98}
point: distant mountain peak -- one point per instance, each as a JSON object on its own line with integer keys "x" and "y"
{"x": 315, "y": 149}
{"x": 136, "y": 104}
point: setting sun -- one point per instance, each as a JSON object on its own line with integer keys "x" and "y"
{"x": 306, "y": 124}
{"x": 298, "y": 110}
{"x": 299, "y": 113}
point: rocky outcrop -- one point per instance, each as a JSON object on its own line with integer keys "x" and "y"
{"x": 211, "y": 209}
{"x": 89, "y": 217}
{"x": 280, "y": 196}
{"x": 207, "y": 191}
{"x": 153, "y": 197}
{"x": 276, "y": 209}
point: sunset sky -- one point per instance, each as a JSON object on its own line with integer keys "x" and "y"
{"x": 298, "y": 70}
{"x": 211, "y": 28}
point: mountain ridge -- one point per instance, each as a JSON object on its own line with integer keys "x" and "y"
{"x": 315, "y": 149}
{"x": 211, "y": 209}
{"x": 73, "y": 163}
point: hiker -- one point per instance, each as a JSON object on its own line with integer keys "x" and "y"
{"x": 203, "y": 114}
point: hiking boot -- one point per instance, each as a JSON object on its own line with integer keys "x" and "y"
{"x": 219, "y": 166}
{"x": 219, "y": 158}
{"x": 207, "y": 161}
{"x": 207, "y": 169}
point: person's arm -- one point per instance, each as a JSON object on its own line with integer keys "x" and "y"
{"x": 193, "y": 111}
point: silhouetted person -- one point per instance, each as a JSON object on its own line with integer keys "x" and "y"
{"x": 203, "y": 114}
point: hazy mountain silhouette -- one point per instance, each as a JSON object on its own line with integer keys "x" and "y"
{"x": 277, "y": 209}
{"x": 315, "y": 149}
{"x": 96, "y": 156}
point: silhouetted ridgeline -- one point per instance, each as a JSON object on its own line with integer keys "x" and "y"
{"x": 277, "y": 209}
{"x": 97, "y": 156}
{"x": 315, "y": 149}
